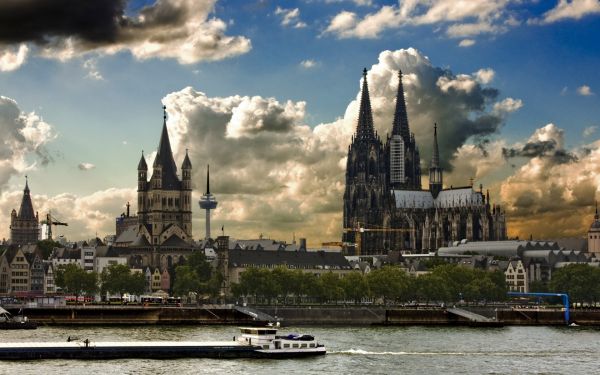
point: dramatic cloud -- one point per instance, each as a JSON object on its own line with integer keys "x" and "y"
{"x": 24, "y": 137}
{"x": 64, "y": 29}
{"x": 275, "y": 175}
{"x": 573, "y": 9}
{"x": 467, "y": 19}
{"x": 584, "y": 90}
{"x": 290, "y": 17}
{"x": 555, "y": 185}
{"x": 86, "y": 166}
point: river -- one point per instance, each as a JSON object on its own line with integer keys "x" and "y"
{"x": 352, "y": 350}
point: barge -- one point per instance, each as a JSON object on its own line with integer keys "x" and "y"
{"x": 253, "y": 343}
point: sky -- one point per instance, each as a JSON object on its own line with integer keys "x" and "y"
{"x": 266, "y": 93}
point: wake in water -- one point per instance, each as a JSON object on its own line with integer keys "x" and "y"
{"x": 511, "y": 354}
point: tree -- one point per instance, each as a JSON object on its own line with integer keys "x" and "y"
{"x": 196, "y": 276}
{"x": 72, "y": 279}
{"x": 330, "y": 288}
{"x": 388, "y": 283}
{"x": 355, "y": 286}
{"x": 580, "y": 281}
{"x": 118, "y": 279}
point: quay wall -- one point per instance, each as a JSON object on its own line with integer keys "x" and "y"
{"x": 320, "y": 315}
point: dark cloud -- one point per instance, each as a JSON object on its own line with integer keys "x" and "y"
{"x": 63, "y": 29}
{"x": 39, "y": 21}
{"x": 544, "y": 149}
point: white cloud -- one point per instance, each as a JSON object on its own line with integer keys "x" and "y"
{"x": 507, "y": 105}
{"x": 24, "y": 140}
{"x": 485, "y": 76}
{"x": 584, "y": 90}
{"x": 290, "y": 17}
{"x": 86, "y": 166}
{"x": 12, "y": 58}
{"x": 466, "y": 43}
{"x": 466, "y": 19}
{"x": 91, "y": 66}
{"x": 571, "y": 9}
{"x": 309, "y": 64}
{"x": 589, "y": 130}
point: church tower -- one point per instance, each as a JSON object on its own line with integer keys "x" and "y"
{"x": 594, "y": 235}
{"x": 435, "y": 171}
{"x": 25, "y": 225}
{"x": 164, "y": 201}
{"x": 365, "y": 181}
{"x": 403, "y": 161}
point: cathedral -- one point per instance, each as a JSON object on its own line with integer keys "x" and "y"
{"x": 385, "y": 206}
{"x": 25, "y": 225}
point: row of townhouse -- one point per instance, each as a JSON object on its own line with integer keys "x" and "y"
{"x": 25, "y": 274}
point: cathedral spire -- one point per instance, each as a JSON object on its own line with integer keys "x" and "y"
{"x": 400, "y": 117}
{"x": 435, "y": 160}
{"x": 364, "y": 129}
{"x": 596, "y": 217}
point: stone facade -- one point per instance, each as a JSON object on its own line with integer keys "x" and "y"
{"x": 385, "y": 207}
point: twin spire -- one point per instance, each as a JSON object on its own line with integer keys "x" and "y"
{"x": 364, "y": 129}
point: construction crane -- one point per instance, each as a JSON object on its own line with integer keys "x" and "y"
{"x": 359, "y": 229}
{"x": 49, "y": 223}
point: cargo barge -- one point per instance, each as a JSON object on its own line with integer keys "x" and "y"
{"x": 253, "y": 343}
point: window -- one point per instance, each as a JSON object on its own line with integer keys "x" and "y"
{"x": 286, "y": 346}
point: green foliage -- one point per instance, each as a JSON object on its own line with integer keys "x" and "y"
{"x": 72, "y": 279}
{"x": 580, "y": 281}
{"x": 118, "y": 279}
{"x": 196, "y": 276}
{"x": 445, "y": 283}
{"x": 538, "y": 286}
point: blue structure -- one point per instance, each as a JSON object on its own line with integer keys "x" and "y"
{"x": 564, "y": 297}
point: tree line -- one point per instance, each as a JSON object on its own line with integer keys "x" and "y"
{"x": 389, "y": 284}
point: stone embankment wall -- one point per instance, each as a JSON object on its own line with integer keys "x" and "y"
{"x": 354, "y": 315}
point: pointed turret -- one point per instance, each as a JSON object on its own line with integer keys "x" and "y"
{"x": 364, "y": 129}
{"x": 164, "y": 163}
{"x": 187, "y": 164}
{"x": 435, "y": 160}
{"x": 26, "y": 210}
{"x": 435, "y": 171}
{"x": 400, "y": 116}
{"x": 142, "y": 166}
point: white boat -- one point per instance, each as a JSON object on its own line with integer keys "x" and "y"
{"x": 274, "y": 346}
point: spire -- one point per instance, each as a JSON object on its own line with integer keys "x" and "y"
{"x": 435, "y": 160}
{"x": 364, "y": 129}
{"x": 400, "y": 116}
{"x": 187, "y": 164}
{"x": 596, "y": 217}
{"x": 142, "y": 166}
{"x": 208, "y": 179}
{"x": 26, "y": 209}
{"x": 164, "y": 158}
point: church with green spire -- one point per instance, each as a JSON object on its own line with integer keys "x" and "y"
{"x": 385, "y": 207}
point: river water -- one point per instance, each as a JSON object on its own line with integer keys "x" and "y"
{"x": 352, "y": 350}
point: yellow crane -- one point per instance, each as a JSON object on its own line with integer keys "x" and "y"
{"x": 49, "y": 223}
{"x": 359, "y": 229}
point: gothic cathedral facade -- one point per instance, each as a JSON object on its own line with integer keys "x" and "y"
{"x": 385, "y": 207}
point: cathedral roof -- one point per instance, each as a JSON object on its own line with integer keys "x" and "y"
{"x": 461, "y": 197}
{"x": 400, "y": 116}
{"x": 364, "y": 129}
{"x": 26, "y": 210}
{"x": 164, "y": 159}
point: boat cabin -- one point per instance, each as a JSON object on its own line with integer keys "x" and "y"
{"x": 267, "y": 338}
